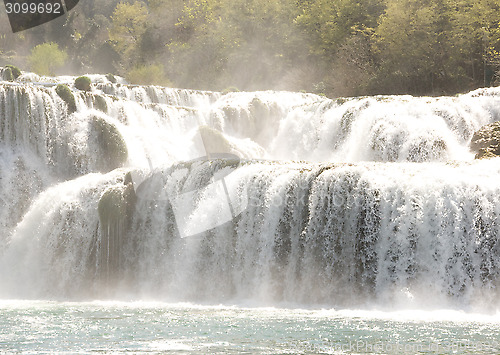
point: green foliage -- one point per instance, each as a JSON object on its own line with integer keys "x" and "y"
{"x": 352, "y": 47}
{"x": 46, "y": 58}
{"x": 67, "y": 96}
{"x": 129, "y": 22}
{"x": 83, "y": 83}
{"x": 413, "y": 47}
{"x": 330, "y": 23}
{"x": 148, "y": 75}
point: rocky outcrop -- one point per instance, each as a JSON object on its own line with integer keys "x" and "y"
{"x": 486, "y": 142}
{"x": 112, "y": 150}
{"x": 10, "y": 73}
{"x": 115, "y": 209}
{"x": 83, "y": 83}
{"x": 67, "y": 96}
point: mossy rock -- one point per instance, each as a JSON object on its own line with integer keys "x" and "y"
{"x": 111, "y": 78}
{"x": 117, "y": 203}
{"x": 115, "y": 209}
{"x": 67, "y": 96}
{"x": 16, "y": 72}
{"x": 7, "y": 74}
{"x": 112, "y": 150}
{"x": 99, "y": 103}
{"x": 83, "y": 83}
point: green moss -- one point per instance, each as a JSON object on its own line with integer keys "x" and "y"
{"x": 112, "y": 150}
{"x": 111, "y": 78}
{"x": 83, "y": 83}
{"x": 16, "y": 72}
{"x": 7, "y": 74}
{"x": 65, "y": 93}
{"x": 100, "y": 103}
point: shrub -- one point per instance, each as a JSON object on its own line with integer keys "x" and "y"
{"x": 65, "y": 93}
{"x": 83, "y": 83}
{"x": 148, "y": 75}
{"x": 46, "y": 58}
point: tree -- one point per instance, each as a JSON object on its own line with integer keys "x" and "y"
{"x": 340, "y": 35}
{"x": 147, "y": 75}
{"x": 129, "y": 22}
{"x": 414, "y": 48}
{"x": 46, "y": 58}
{"x": 477, "y": 35}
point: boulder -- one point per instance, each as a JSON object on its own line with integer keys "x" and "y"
{"x": 65, "y": 93}
{"x": 115, "y": 209}
{"x": 111, "y": 78}
{"x": 99, "y": 103}
{"x": 83, "y": 83}
{"x": 486, "y": 141}
{"x": 112, "y": 149}
{"x": 16, "y": 72}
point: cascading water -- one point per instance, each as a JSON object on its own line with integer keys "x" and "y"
{"x": 346, "y": 202}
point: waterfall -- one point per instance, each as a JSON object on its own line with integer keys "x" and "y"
{"x": 348, "y": 202}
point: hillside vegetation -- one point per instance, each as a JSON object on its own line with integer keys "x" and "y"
{"x": 339, "y": 48}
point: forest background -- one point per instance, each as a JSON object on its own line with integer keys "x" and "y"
{"x": 331, "y": 47}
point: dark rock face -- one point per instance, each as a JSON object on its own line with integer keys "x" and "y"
{"x": 112, "y": 152}
{"x": 115, "y": 209}
{"x": 486, "y": 142}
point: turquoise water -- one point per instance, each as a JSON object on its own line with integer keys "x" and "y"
{"x": 141, "y": 327}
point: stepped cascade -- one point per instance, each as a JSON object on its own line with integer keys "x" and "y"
{"x": 342, "y": 202}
